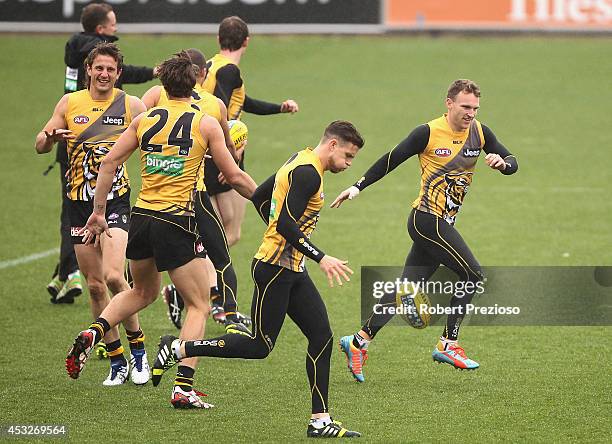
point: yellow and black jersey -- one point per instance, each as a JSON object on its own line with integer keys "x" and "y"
{"x": 203, "y": 101}
{"x": 296, "y": 200}
{"x": 224, "y": 81}
{"x": 448, "y": 160}
{"x": 171, "y": 154}
{"x": 96, "y": 124}
{"x": 447, "y": 166}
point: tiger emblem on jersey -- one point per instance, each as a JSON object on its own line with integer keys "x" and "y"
{"x": 457, "y": 185}
{"x": 94, "y": 155}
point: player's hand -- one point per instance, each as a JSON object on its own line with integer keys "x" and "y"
{"x": 57, "y": 135}
{"x": 350, "y": 194}
{"x": 335, "y": 269}
{"x": 289, "y": 106}
{"x": 221, "y": 179}
{"x": 93, "y": 229}
{"x": 495, "y": 161}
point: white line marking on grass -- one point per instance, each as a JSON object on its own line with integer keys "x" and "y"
{"x": 25, "y": 259}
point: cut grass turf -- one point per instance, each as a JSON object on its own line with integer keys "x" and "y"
{"x": 546, "y": 100}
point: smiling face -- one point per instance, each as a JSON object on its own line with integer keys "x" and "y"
{"x": 462, "y": 110}
{"x": 103, "y": 74}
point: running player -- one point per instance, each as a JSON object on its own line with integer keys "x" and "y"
{"x": 91, "y": 120}
{"x": 448, "y": 148}
{"x": 290, "y": 203}
{"x": 223, "y": 277}
{"x": 173, "y": 140}
{"x": 225, "y": 81}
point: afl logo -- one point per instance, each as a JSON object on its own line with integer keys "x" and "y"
{"x": 81, "y": 120}
{"x": 443, "y": 152}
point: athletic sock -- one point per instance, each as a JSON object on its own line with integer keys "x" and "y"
{"x": 100, "y": 327}
{"x": 360, "y": 342}
{"x": 74, "y": 273}
{"x": 115, "y": 352}
{"x": 318, "y": 423}
{"x": 136, "y": 339}
{"x": 184, "y": 378}
{"x": 232, "y": 317}
{"x": 215, "y": 296}
{"x": 445, "y": 343}
{"x": 176, "y": 348}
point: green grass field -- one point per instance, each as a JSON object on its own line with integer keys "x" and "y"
{"x": 547, "y": 99}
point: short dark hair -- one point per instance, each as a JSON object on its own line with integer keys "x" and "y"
{"x": 462, "y": 85}
{"x": 93, "y": 15}
{"x": 344, "y": 130}
{"x": 233, "y": 31}
{"x": 177, "y": 75}
{"x": 197, "y": 58}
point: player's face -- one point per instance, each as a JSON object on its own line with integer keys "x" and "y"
{"x": 462, "y": 110}
{"x": 342, "y": 155}
{"x": 103, "y": 73}
{"x": 110, "y": 26}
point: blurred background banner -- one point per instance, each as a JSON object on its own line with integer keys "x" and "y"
{"x": 179, "y": 16}
{"x": 318, "y": 16}
{"x": 500, "y": 15}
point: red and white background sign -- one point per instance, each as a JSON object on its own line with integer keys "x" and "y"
{"x": 570, "y": 15}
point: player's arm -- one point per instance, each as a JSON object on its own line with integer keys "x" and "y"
{"x": 262, "y": 197}
{"x": 55, "y": 129}
{"x": 498, "y": 157}
{"x": 238, "y": 179}
{"x": 136, "y": 74}
{"x": 226, "y": 132}
{"x": 228, "y": 79}
{"x": 122, "y": 149}
{"x": 415, "y": 143}
{"x": 304, "y": 181}
{"x": 255, "y": 106}
{"x": 137, "y": 107}
{"x": 151, "y": 97}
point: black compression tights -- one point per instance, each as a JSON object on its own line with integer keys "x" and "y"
{"x": 279, "y": 292}
{"x": 212, "y": 232}
{"x": 435, "y": 242}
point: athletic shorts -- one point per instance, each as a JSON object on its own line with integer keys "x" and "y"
{"x": 172, "y": 240}
{"x": 211, "y": 177}
{"x": 117, "y": 215}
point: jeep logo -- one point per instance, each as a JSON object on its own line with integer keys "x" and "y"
{"x": 471, "y": 153}
{"x": 113, "y": 120}
{"x": 443, "y": 152}
{"x": 81, "y": 120}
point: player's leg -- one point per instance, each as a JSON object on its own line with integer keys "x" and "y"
{"x": 91, "y": 265}
{"x": 146, "y": 287}
{"x": 113, "y": 258}
{"x": 419, "y": 266}
{"x": 192, "y": 282}
{"x": 147, "y": 281}
{"x": 444, "y": 243}
{"x": 66, "y": 283}
{"x": 231, "y": 209}
{"x": 307, "y": 309}
{"x": 214, "y": 238}
{"x": 269, "y": 306}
